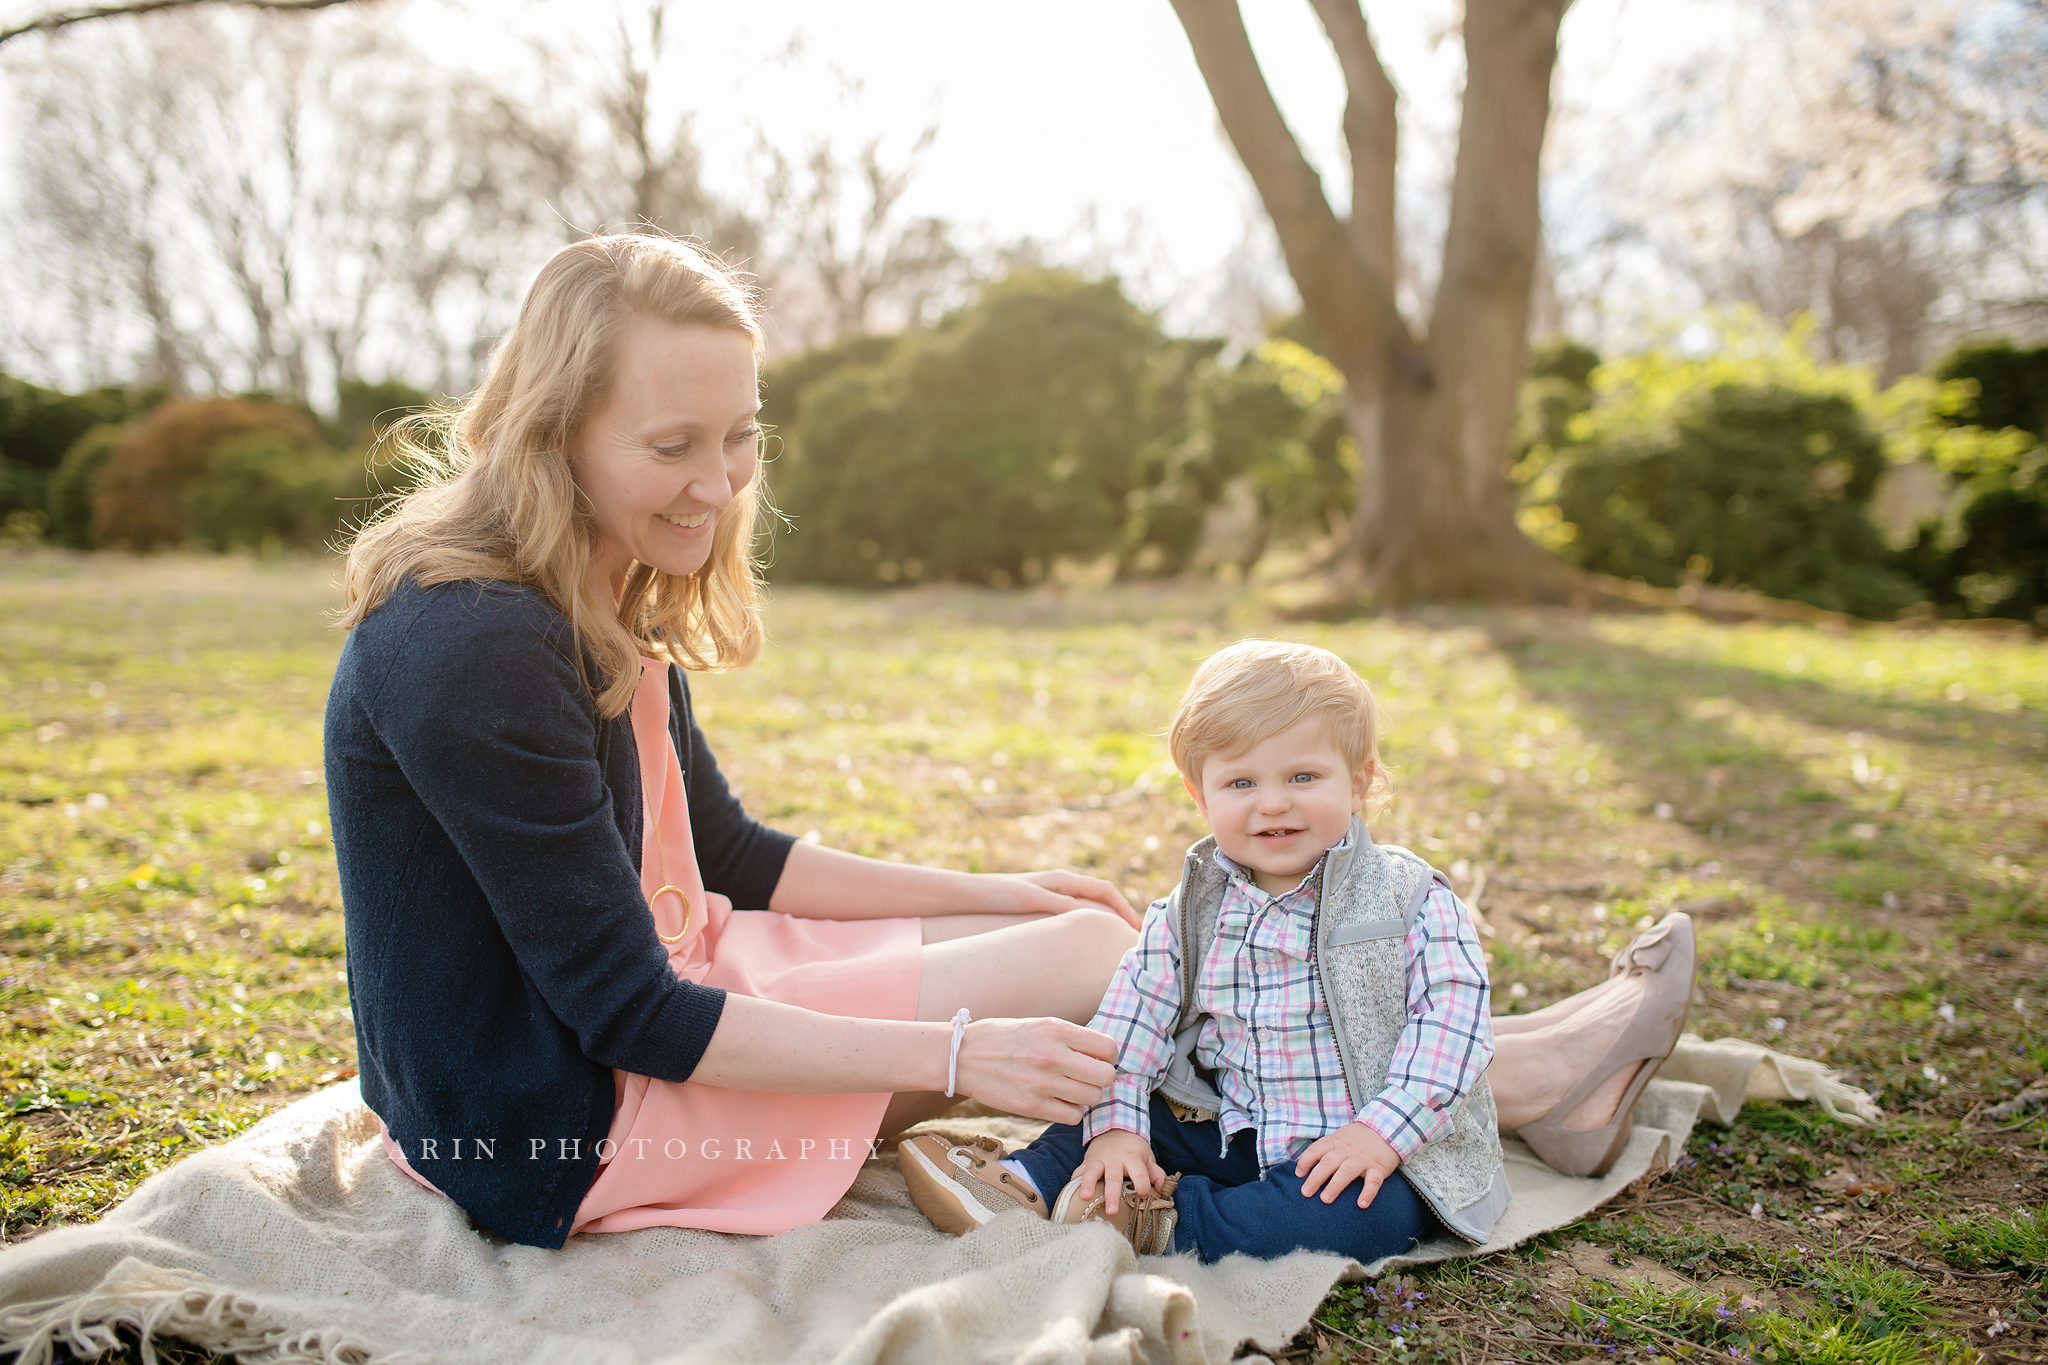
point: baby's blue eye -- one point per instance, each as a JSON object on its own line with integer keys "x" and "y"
{"x": 1303, "y": 777}
{"x": 1240, "y": 784}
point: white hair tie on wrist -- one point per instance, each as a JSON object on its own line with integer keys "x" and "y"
{"x": 960, "y": 1023}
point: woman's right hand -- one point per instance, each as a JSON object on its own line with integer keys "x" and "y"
{"x": 1039, "y": 1068}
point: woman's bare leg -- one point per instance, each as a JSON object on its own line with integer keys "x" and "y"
{"x": 1536, "y": 1063}
{"x": 1551, "y": 1015}
{"x": 1010, "y": 966}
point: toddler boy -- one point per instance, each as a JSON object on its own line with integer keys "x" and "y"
{"x": 1305, "y": 1012}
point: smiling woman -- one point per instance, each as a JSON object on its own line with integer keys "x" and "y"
{"x": 670, "y": 450}
{"x": 562, "y": 1018}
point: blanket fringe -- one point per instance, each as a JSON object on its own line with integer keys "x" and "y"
{"x": 1842, "y": 1102}
{"x": 216, "y": 1319}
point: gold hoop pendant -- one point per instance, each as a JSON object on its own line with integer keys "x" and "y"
{"x": 689, "y": 913}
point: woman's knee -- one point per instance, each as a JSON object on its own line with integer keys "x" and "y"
{"x": 1101, "y": 934}
{"x": 1081, "y": 959}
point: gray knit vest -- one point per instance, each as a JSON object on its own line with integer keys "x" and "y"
{"x": 1367, "y": 898}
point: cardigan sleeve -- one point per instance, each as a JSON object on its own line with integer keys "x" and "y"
{"x": 485, "y": 711}
{"x": 739, "y": 857}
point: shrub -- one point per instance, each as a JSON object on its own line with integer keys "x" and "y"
{"x": 2010, "y": 385}
{"x": 37, "y": 427}
{"x": 1760, "y": 486}
{"x": 69, "y": 495}
{"x": 1276, "y": 420}
{"x": 364, "y": 411}
{"x": 1751, "y": 466}
{"x": 1011, "y": 433}
{"x": 1048, "y": 418}
{"x": 140, "y": 501}
{"x": 1999, "y": 565}
{"x": 1989, "y": 555}
{"x": 267, "y": 489}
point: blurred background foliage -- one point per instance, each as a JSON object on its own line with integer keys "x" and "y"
{"x": 139, "y": 471}
{"x": 1051, "y": 425}
{"x": 244, "y": 241}
{"x": 1049, "y": 420}
{"x": 1731, "y": 455}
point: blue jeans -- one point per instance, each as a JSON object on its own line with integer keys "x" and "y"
{"x": 1226, "y": 1206}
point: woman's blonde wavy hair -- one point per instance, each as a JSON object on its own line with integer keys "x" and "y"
{"x": 498, "y": 499}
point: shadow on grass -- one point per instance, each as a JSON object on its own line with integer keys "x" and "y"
{"x": 1667, "y": 725}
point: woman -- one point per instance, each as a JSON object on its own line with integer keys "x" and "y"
{"x": 562, "y": 1020}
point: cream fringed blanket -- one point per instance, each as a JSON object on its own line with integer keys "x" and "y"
{"x": 300, "y": 1241}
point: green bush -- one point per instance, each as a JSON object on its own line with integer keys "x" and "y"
{"x": 38, "y": 426}
{"x": 1012, "y": 433}
{"x": 140, "y": 500}
{"x": 227, "y": 473}
{"x": 1049, "y": 418}
{"x": 2010, "y": 385}
{"x": 1276, "y": 419}
{"x": 1753, "y": 467}
{"x": 364, "y": 411}
{"x": 69, "y": 495}
{"x": 268, "y": 490}
{"x": 1989, "y": 556}
{"x": 1764, "y": 487}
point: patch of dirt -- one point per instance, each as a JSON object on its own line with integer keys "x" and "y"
{"x": 1581, "y": 1259}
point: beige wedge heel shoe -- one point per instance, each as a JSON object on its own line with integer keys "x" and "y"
{"x": 1664, "y": 953}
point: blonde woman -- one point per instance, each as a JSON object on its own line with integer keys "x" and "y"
{"x": 562, "y": 1019}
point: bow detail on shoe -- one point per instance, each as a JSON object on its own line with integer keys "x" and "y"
{"x": 1648, "y": 951}
{"x": 1663, "y": 957}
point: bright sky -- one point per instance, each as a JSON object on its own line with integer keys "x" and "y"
{"x": 1065, "y": 113}
{"x": 1051, "y": 112}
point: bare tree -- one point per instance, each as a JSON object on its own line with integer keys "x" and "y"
{"x": 1881, "y": 167}
{"x": 276, "y": 205}
{"x": 1430, "y": 407}
{"x": 218, "y": 199}
{"x": 841, "y": 243}
{"x": 65, "y": 18}
{"x": 602, "y": 144}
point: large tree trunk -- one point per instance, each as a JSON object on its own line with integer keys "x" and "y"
{"x": 1432, "y": 415}
{"x": 1447, "y": 524}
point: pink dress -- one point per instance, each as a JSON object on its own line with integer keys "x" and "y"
{"x": 686, "y": 1154}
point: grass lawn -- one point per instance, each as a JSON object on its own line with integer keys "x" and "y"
{"x": 1857, "y": 822}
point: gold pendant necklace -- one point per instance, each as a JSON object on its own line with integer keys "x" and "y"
{"x": 689, "y": 910}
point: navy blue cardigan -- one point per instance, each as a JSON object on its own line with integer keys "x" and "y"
{"x": 502, "y": 959}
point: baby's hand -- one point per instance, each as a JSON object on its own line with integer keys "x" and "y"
{"x": 1352, "y": 1152}
{"x": 1115, "y": 1156}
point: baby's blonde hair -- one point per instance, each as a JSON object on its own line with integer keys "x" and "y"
{"x": 1255, "y": 689}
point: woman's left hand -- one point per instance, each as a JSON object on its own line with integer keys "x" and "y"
{"x": 1057, "y": 891}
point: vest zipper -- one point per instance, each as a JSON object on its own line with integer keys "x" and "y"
{"x": 1315, "y": 945}
{"x": 1187, "y": 977}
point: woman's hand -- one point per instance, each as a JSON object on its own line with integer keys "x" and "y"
{"x": 1039, "y": 1068}
{"x": 1057, "y": 891}
{"x": 824, "y": 883}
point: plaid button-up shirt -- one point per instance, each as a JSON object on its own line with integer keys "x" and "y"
{"x": 1268, "y": 1035}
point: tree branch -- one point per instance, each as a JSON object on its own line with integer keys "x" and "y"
{"x": 1481, "y": 314}
{"x": 64, "y": 18}
{"x": 1371, "y": 132}
{"x": 1350, "y": 305}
